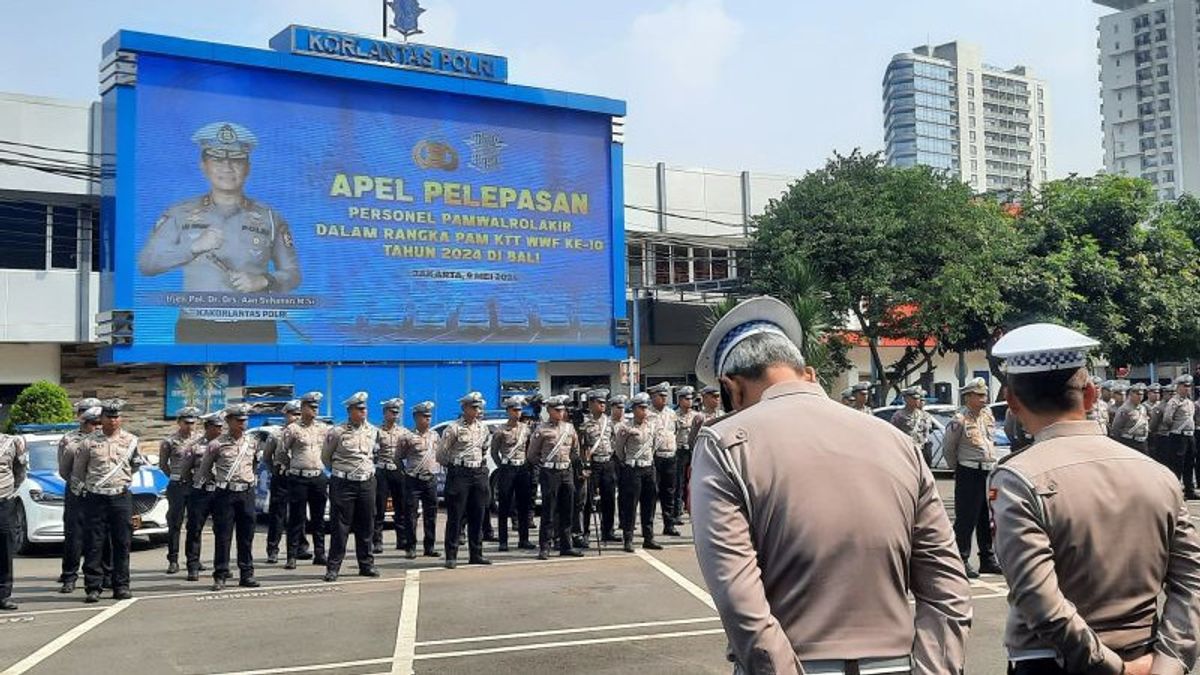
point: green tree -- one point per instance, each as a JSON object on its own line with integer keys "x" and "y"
{"x": 40, "y": 403}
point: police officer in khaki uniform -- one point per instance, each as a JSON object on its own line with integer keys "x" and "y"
{"x": 1131, "y": 424}
{"x": 514, "y": 481}
{"x": 104, "y": 465}
{"x": 389, "y": 476}
{"x": 861, "y": 391}
{"x": 710, "y": 410}
{"x": 349, "y": 452}
{"x": 616, "y": 417}
{"x": 461, "y": 451}
{"x": 665, "y": 420}
{"x": 275, "y": 459}
{"x": 199, "y": 506}
{"x": 172, "y": 451}
{"x": 552, "y": 449}
{"x": 686, "y": 416}
{"x": 14, "y": 465}
{"x": 633, "y": 446}
{"x": 914, "y": 421}
{"x": 1160, "y": 442}
{"x": 595, "y": 439}
{"x": 873, "y": 520}
{"x": 307, "y": 484}
{"x": 417, "y": 455}
{"x": 1180, "y": 422}
{"x": 971, "y": 450}
{"x": 1088, "y": 566}
{"x": 87, "y": 411}
{"x": 229, "y": 465}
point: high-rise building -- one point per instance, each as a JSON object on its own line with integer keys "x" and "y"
{"x": 1149, "y": 96}
{"x": 944, "y": 107}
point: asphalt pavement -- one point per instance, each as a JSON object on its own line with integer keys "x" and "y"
{"x": 609, "y": 612}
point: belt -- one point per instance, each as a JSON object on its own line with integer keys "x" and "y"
{"x": 462, "y": 464}
{"x": 235, "y": 486}
{"x": 304, "y": 473}
{"x": 640, "y": 463}
{"x": 386, "y": 465}
{"x": 176, "y": 477}
{"x": 664, "y": 455}
{"x": 557, "y": 466}
{"x": 107, "y": 491}
{"x": 601, "y": 460}
{"x": 873, "y": 666}
{"x": 355, "y": 476}
{"x": 512, "y": 462}
{"x": 985, "y": 466}
{"x": 1031, "y": 654}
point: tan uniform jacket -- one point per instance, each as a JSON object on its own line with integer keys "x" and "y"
{"x": 99, "y": 454}
{"x": 463, "y": 444}
{"x": 683, "y": 428}
{"x": 969, "y": 438}
{"x": 595, "y": 438}
{"x": 1179, "y": 416}
{"x": 14, "y": 465}
{"x": 303, "y": 443}
{"x": 68, "y": 447}
{"x": 228, "y": 460}
{"x": 665, "y": 422}
{"x": 509, "y": 443}
{"x": 351, "y": 448}
{"x": 812, "y": 542}
{"x": 1086, "y": 556}
{"x": 1099, "y": 414}
{"x": 189, "y": 469}
{"x": 916, "y": 423}
{"x": 272, "y": 450}
{"x": 633, "y": 443}
{"x": 389, "y": 443}
{"x": 553, "y": 446}
{"x": 1130, "y": 423}
{"x": 171, "y": 452}
{"x": 417, "y": 453}
{"x": 701, "y": 418}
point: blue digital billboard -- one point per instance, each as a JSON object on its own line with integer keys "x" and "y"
{"x": 310, "y": 213}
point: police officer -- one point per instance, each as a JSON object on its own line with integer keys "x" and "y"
{"x": 665, "y": 421}
{"x": 389, "y": 477}
{"x": 172, "y": 451}
{"x": 971, "y": 450}
{"x": 417, "y": 455}
{"x": 633, "y": 446}
{"x": 581, "y": 469}
{"x": 104, "y": 466}
{"x": 87, "y": 411}
{"x": 1099, "y": 583}
{"x": 224, "y": 241}
{"x": 349, "y": 452}
{"x": 553, "y": 447}
{"x": 1131, "y": 424}
{"x": 461, "y": 451}
{"x": 861, "y": 391}
{"x": 595, "y": 438}
{"x": 14, "y": 465}
{"x": 1018, "y": 437}
{"x": 847, "y": 397}
{"x": 686, "y": 417}
{"x": 275, "y": 459}
{"x": 1160, "y": 441}
{"x": 200, "y": 498}
{"x": 710, "y": 411}
{"x": 303, "y": 441}
{"x": 229, "y": 465}
{"x": 514, "y": 481}
{"x": 769, "y": 565}
{"x": 616, "y": 416}
{"x": 914, "y": 421}
{"x": 1179, "y": 420}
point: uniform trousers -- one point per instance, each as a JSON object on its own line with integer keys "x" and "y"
{"x": 198, "y": 510}
{"x": 74, "y": 524}
{"x": 971, "y": 512}
{"x": 664, "y": 470}
{"x": 1183, "y": 454}
{"x": 277, "y": 510}
{"x": 466, "y": 496}
{"x": 558, "y": 501}
{"x": 580, "y": 493}
{"x": 108, "y": 518}
{"x": 638, "y": 489}
{"x": 306, "y": 512}
{"x": 351, "y": 509}
{"x": 683, "y": 476}
{"x": 389, "y": 483}
{"x": 604, "y": 476}
{"x": 514, "y": 482}
{"x": 422, "y": 491}
{"x": 177, "y": 497}
{"x": 8, "y": 513}
{"x": 233, "y": 512}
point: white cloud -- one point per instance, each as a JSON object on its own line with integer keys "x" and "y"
{"x": 685, "y": 43}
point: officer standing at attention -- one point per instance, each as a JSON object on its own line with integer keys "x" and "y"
{"x": 633, "y": 446}
{"x": 302, "y": 443}
{"x": 581, "y": 514}
{"x": 200, "y": 498}
{"x": 172, "y": 452}
{"x": 971, "y": 450}
{"x": 1180, "y": 422}
{"x": 1118, "y": 390}
{"x": 417, "y": 455}
{"x": 595, "y": 438}
{"x": 104, "y": 466}
{"x": 14, "y": 465}
{"x": 1086, "y": 566}
{"x": 914, "y": 421}
{"x": 224, "y": 241}
{"x": 461, "y": 451}
{"x": 553, "y": 447}
{"x": 349, "y": 452}
{"x": 514, "y": 481}
{"x": 616, "y": 417}
{"x": 87, "y": 411}
{"x": 229, "y": 465}
{"x": 769, "y": 565}
{"x": 687, "y": 417}
{"x": 1160, "y": 440}
{"x": 861, "y": 391}
{"x": 277, "y": 505}
{"x": 848, "y": 397}
{"x": 389, "y": 477}
{"x": 666, "y": 422}
{"x": 1099, "y": 410}
{"x": 710, "y": 409}
{"x": 1131, "y": 425}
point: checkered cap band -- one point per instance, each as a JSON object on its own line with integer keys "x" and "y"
{"x": 735, "y": 336}
{"x": 1045, "y": 361}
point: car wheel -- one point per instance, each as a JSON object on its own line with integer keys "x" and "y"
{"x": 20, "y": 533}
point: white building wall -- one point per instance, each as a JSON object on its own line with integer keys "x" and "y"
{"x": 49, "y": 123}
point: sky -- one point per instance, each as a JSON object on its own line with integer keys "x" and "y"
{"x": 761, "y": 85}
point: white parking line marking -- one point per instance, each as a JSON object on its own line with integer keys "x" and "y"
{"x": 315, "y": 666}
{"x": 234, "y": 592}
{"x": 567, "y": 643}
{"x": 39, "y": 612}
{"x": 406, "y": 629}
{"x": 567, "y": 631}
{"x": 682, "y": 581}
{"x": 52, "y": 647}
{"x": 995, "y": 588}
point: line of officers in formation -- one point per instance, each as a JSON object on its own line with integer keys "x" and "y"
{"x": 581, "y": 469}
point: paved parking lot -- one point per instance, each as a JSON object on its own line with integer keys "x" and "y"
{"x": 612, "y": 613}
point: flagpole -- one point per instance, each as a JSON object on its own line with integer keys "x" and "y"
{"x": 384, "y": 4}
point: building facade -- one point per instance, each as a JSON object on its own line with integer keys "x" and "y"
{"x": 944, "y": 107}
{"x": 1150, "y": 101}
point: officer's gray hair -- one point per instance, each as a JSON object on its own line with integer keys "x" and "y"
{"x": 751, "y": 357}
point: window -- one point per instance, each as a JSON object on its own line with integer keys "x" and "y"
{"x": 1160, "y": 35}
{"x": 974, "y": 150}
{"x": 972, "y": 136}
{"x": 1146, "y": 126}
{"x": 974, "y": 165}
{"x": 1041, "y": 94}
{"x": 1152, "y": 177}
{"x": 24, "y": 227}
{"x": 1161, "y": 52}
{"x": 662, "y": 265}
{"x": 1148, "y": 144}
{"x": 1149, "y": 162}
{"x": 1168, "y": 176}
{"x": 1118, "y": 96}
{"x": 971, "y": 107}
{"x": 634, "y": 265}
{"x": 701, "y": 264}
{"x": 1167, "y": 141}
{"x": 1146, "y": 108}
{"x": 1141, "y": 21}
{"x": 1142, "y": 57}
{"x": 1162, "y": 70}
{"x": 1141, "y": 39}
{"x": 1168, "y": 158}
{"x": 720, "y": 264}
{"x": 1042, "y": 148}
{"x": 970, "y": 77}
{"x": 971, "y": 92}
{"x": 64, "y": 233}
{"x": 1164, "y": 123}
{"x": 1164, "y": 88}
{"x": 1144, "y": 74}
{"x": 1160, "y": 16}
{"x": 681, "y": 265}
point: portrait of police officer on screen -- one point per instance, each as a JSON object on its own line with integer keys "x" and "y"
{"x": 224, "y": 242}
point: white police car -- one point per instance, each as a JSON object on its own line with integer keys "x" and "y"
{"x": 40, "y": 498}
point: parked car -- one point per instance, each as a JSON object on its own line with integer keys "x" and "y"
{"x": 41, "y": 497}
{"x": 942, "y": 414}
{"x": 474, "y": 317}
{"x": 512, "y": 315}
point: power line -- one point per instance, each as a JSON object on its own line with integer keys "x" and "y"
{"x": 52, "y": 149}
{"x": 683, "y": 216}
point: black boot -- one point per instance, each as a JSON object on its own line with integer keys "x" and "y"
{"x": 989, "y": 565}
{"x": 543, "y": 553}
{"x": 410, "y": 554}
{"x": 628, "y": 542}
{"x": 67, "y": 587}
{"x": 290, "y": 564}
{"x": 172, "y": 567}
{"x": 477, "y": 558}
{"x": 451, "y": 560}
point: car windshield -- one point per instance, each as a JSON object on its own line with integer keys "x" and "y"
{"x": 43, "y": 455}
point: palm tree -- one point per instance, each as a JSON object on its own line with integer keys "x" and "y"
{"x": 187, "y": 385}
{"x": 211, "y": 376}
